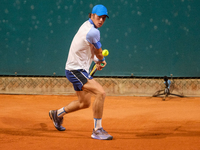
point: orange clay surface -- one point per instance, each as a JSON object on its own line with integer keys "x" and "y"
{"x": 136, "y": 123}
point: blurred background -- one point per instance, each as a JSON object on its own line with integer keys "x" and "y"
{"x": 145, "y": 38}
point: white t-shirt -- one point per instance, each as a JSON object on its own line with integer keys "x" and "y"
{"x": 81, "y": 53}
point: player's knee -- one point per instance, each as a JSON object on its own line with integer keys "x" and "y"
{"x": 85, "y": 104}
{"x": 102, "y": 95}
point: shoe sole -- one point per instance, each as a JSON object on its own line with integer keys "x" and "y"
{"x": 109, "y": 138}
{"x": 50, "y": 115}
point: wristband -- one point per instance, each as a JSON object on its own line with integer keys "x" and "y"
{"x": 102, "y": 59}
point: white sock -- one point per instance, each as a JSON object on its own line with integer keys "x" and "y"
{"x": 61, "y": 112}
{"x": 97, "y": 123}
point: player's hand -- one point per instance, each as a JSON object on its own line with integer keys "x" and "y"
{"x": 100, "y": 65}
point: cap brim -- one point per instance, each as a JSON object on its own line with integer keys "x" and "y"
{"x": 102, "y": 15}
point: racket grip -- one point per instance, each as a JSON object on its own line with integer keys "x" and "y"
{"x": 93, "y": 72}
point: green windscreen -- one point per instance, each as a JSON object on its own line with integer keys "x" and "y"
{"x": 144, "y": 37}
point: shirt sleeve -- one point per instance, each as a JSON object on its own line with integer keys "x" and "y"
{"x": 93, "y": 36}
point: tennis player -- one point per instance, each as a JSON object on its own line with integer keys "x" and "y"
{"x": 85, "y": 48}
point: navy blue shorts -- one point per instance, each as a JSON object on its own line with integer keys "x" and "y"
{"x": 78, "y": 78}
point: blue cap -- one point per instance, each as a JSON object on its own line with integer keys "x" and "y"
{"x": 100, "y": 10}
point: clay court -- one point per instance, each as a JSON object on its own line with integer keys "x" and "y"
{"x": 139, "y": 123}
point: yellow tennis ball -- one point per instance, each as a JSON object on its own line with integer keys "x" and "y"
{"x": 105, "y": 52}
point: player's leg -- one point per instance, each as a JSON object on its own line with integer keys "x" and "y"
{"x": 84, "y": 101}
{"x": 95, "y": 88}
{"x": 78, "y": 78}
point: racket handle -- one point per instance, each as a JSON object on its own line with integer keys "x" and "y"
{"x": 94, "y": 70}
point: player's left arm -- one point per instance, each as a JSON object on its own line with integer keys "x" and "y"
{"x": 93, "y": 37}
{"x": 101, "y": 63}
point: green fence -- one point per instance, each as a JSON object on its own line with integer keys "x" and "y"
{"x": 146, "y": 38}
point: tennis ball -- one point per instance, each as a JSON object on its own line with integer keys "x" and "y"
{"x": 105, "y": 52}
